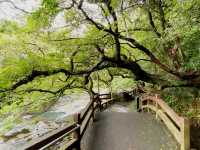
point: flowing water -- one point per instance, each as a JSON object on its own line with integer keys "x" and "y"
{"x": 57, "y": 116}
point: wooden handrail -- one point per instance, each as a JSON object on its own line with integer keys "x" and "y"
{"x": 179, "y": 126}
{"x": 81, "y": 121}
{"x": 105, "y": 96}
{"x": 85, "y": 123}
{"x": 85, "y": 111}
{"x": 41, "y": 142}
{"x": 60, "y": 138}
{"x": 177, "y": 119}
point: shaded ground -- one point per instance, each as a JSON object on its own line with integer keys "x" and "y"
{"x": 128, "y": 131}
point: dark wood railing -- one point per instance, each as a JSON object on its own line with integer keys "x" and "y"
{"x": 179, "y": 126}
{"x": 78, "y": 128}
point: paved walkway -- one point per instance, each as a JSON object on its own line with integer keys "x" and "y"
{"x": 128, "y": 131}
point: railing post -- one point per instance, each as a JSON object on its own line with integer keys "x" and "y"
{"x": 98, "y": 101}
{"x": 156, "y": 106}
{"x": 139, "y": 104}
{"x": 185, "y": 134}
{"x": 148, "y": 105}
{"x": 111, "y": 95}
{"x": 93, "y": 109}
{"x": 100, "y": 105}
{"x": 77, "y": 135}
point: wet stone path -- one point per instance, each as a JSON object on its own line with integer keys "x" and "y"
{"x": 125, "y": 130}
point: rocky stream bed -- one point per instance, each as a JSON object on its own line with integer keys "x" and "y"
{"x": 57, "y": 116}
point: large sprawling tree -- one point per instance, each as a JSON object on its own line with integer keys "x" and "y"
{"x": 155, "y": 41}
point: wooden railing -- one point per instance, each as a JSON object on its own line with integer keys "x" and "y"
{"x": 179, "y": 126}
{"x": 105, "y": 100}
{"x": 78, "y": 128}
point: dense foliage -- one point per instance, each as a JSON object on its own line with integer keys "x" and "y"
{"x": 154, "y": 41}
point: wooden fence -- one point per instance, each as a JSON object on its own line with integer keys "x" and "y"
{"x": 179, "y": 126}
{"x": 78, "y": 128}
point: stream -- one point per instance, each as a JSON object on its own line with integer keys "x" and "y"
{"x": 58, "y": 115}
